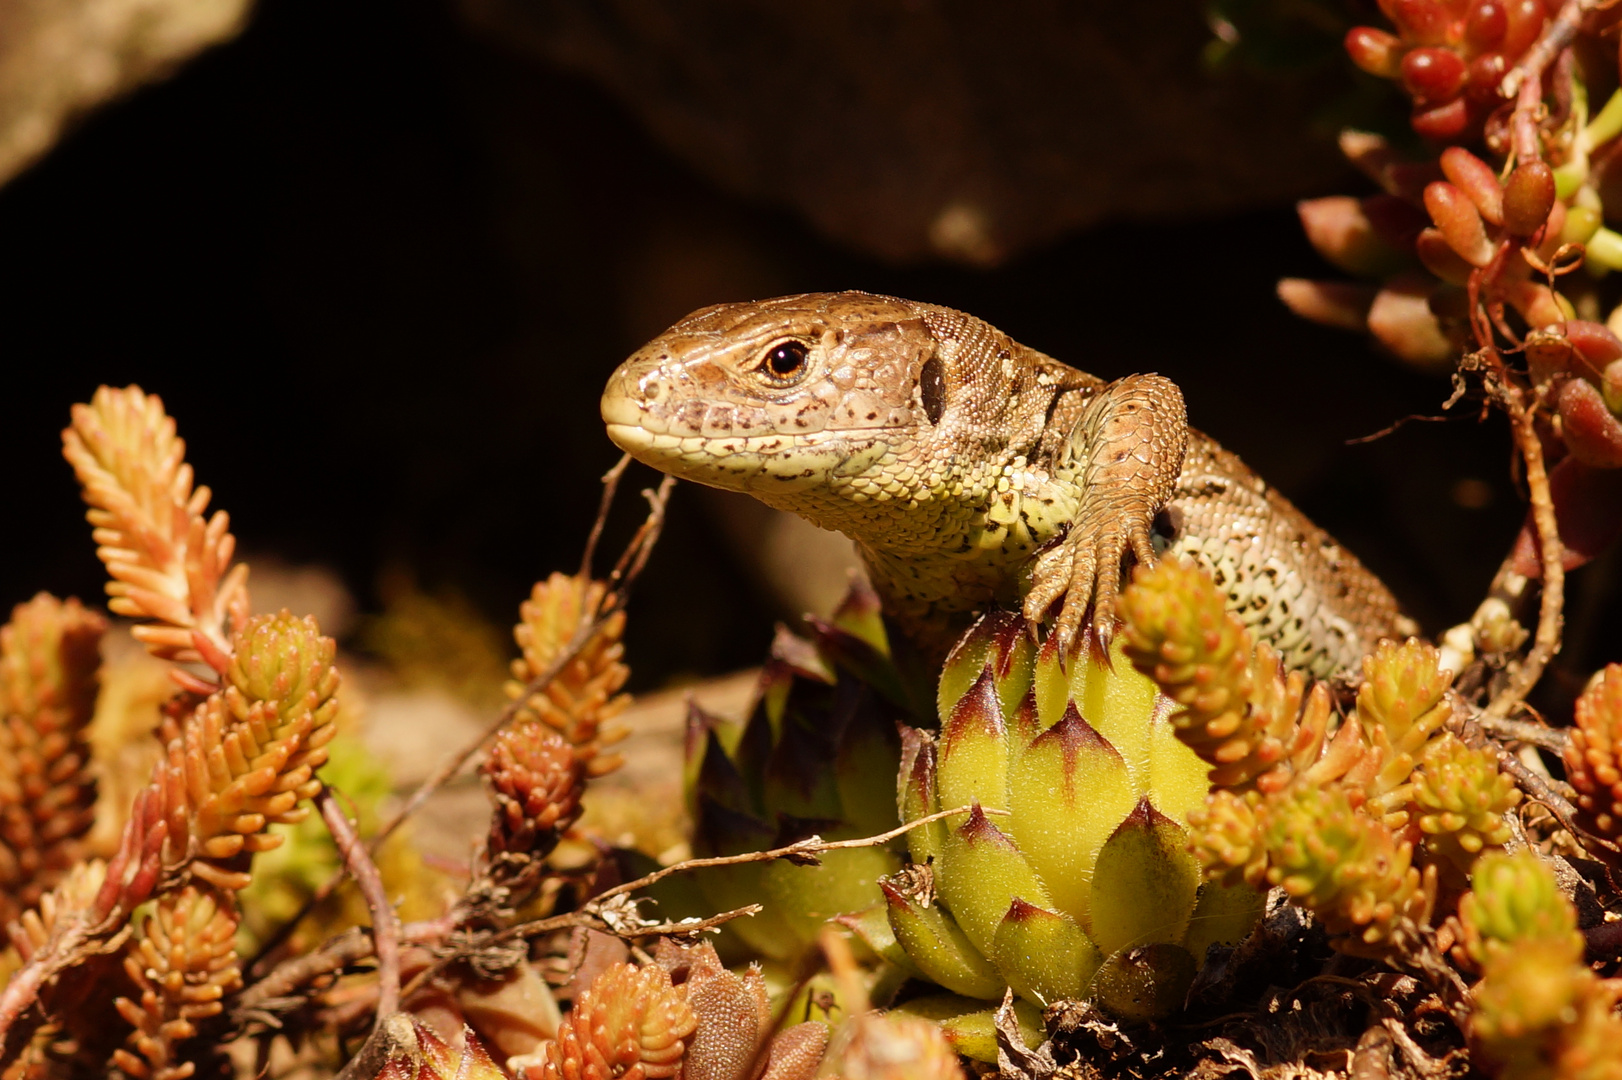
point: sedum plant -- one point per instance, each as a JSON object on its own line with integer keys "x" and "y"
{"x": 50, "y": 653}
{"x": 1490, "y": 248}
{"x": 1068, "y": 876}
{"x": 1539, "y": 1011}
{"x": 242, "y": 743}
{"x": 1363, "y": 824}
{"x": 1594, "y": 762}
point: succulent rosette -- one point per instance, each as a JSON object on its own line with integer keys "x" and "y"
{"x": 1069, "y": 874}
{"x": 817, "y": 756}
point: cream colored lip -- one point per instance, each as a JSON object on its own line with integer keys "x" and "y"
{"x": 617, "y": 406}
{"x": 631, "y": 438}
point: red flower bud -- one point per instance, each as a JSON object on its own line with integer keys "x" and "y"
{"x": 1525, "y": 20}
{"x": 1592, "y": 432}
{"x": 1483, "y": 78}
{"x": 1595, "y": 345}
{"x": 1422, "y": 22}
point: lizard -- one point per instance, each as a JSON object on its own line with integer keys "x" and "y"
{"x": 971, "y": 470}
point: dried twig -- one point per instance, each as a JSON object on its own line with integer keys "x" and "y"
{"x": 1539, "y": 789}
{"x": 22, "y": 990}
{"x": 600, "y": 913}
{"x": 385, "y": 925}
{"x": 259, "y": 1001}
{"x": 588, "y": 917}
{"x": 807, "y": 849}
{"x": 1525, "y": 731}
{"x": 611, "y": 486}
{"x": 1546, "y": 641}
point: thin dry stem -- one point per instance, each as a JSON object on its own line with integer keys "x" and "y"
{"x": 1546, "y": 642}
{"x": 22, "y": 990}
{"x": 259, "y": 1001}
{"x": 611, "y": 487}
{"x": 602, "y": 913}
{"x": 808, "y": 848}
{"x": 385, "y": 924}
{"x": 625, "y": 573}
{"x": 1539, "y": 790}
{"x": 1526, "y": 731}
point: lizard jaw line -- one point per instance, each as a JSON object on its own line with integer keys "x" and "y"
{"x": 772, "y": 463}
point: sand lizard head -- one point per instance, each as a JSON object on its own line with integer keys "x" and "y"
{"x": 780, "y": 396}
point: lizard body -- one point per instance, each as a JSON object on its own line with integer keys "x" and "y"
{"x": 971, "y": 470}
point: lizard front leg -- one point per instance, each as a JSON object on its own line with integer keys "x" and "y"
{"x": 1127, "y": 449}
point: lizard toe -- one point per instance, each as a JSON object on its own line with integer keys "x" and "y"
{"x": 1068, "y": 626}
{"x": 1051, "y": 579}
{"x": 1143, "y": 548}
{"x": 1103, "y": 628}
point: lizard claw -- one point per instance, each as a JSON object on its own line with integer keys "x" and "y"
{"x": 1084, "y": 570}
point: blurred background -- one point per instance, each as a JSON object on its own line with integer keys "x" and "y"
{"x": 379, "y": 258}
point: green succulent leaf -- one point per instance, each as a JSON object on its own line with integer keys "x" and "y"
{"x": 972, "y": 765}
{"x": 939, "y": 948}
{"x": 916, "y": 795}
{"x": 1045, "y": 956}
{"x": 1068, "y": 791}
{"x": 863, "y": 772}
{"x": 971, "y": 1027}
{"x": 871, "y": 925}
{"x": 1145, "y": 883}
{"x": 861, "y": 614}
{"x": 1223, "y": 915}
{"x": 1118, "y": 701}
{"x": 980, "y": 873}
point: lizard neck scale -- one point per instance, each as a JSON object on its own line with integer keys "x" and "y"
{"x": 970, "y": 469}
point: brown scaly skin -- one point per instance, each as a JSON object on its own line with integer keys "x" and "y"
{"x": 971, "y": 470}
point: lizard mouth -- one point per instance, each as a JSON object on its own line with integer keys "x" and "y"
{"x": 756, "y": 463}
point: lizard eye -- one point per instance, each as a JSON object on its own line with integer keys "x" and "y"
{"x": 785, "y": 362}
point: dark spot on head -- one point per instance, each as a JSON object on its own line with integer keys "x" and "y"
{"x": 932, "y": 388}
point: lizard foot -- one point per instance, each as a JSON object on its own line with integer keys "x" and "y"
{"x": 1083, "y": 570}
